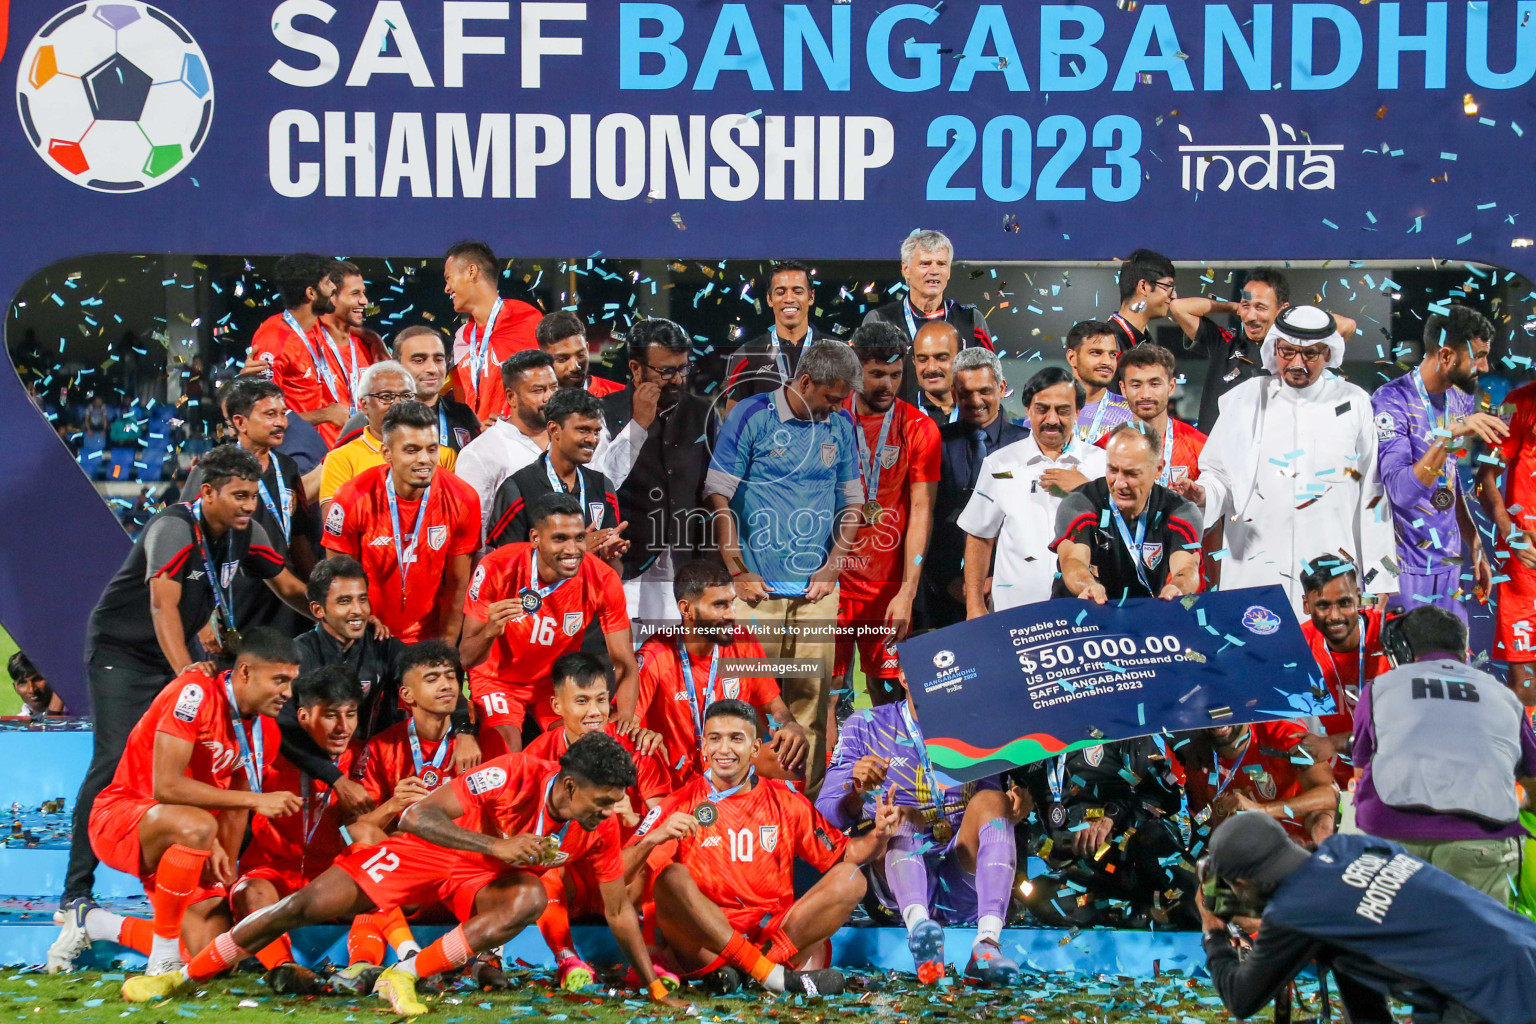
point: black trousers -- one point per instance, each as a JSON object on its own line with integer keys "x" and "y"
{"x": 122, "y": 690}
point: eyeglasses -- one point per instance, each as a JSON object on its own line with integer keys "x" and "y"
{"x": 1288, "y": 353}
{"x": 391, "y": 397}
{"x": 670, "y": 372}
{"x": 1168, "y": 285}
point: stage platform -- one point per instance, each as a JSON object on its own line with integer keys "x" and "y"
{"x": 43, "y": 766}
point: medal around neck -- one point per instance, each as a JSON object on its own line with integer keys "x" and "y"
{"x": 706, "y": 814}
{"x": 532, "y": 602}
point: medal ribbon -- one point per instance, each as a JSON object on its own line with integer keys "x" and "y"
{"x": 280, "y": 509}
{"x": 480, "y": 348}
{"x": 693, "y": 696}
{"x": 1055, "y": 775}
{"x": 913, "y": 315}
{"x": 1221, "y": 786}
{"x": 405, "y": 553}
{"x": 253, "y": 765}
{"x": 559, "y": 485}
{"x": 322, "y": 366}
{"x": 1167, "y": 473}
{"x": 304, "y": 786}
{"x": 539, "y": 829}
{"x": 416, "y": 756}
{"x": 776, "y": 352}
{"x": 1092, "y": 433}
{"x": 869, "y": 461}
{"x": 716, "y": 795}
{"x": 223, "y": 602}
{"x": 1437, "y": 423}
{"x": 533, "y": 579}
{"x": 1134, "y": 546}
{"x": 442, "y": 425}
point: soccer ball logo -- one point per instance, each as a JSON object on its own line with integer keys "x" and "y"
{"x": 115, "y": 95}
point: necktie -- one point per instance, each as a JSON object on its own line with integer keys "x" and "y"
{"x": 978, "y": 453}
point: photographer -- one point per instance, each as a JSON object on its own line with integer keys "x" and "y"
{"x": 1384, "y": 922}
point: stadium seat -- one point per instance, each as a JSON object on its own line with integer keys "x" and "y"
{"x": 92, "y": 452}
{"x": 120, "y": 467}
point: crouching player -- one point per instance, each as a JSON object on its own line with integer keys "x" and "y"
{"x": 954, "y": 836}
{"x": 287, "y": 853}
{"x": 581, "y": 700}
{"x": 721, "y": 852}
{"x": 476, "y": 845}
{"x": 400, "y": 766}
{"x": 175, "y": 812}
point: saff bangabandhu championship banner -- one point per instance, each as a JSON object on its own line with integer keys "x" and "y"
{"x": 1031, "y": 682}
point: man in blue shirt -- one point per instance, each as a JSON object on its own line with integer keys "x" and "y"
{"x": 785, "y": 490}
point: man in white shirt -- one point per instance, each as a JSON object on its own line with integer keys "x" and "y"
{"x": 1290, "y": 467}
{"x": 1013, "y": 508}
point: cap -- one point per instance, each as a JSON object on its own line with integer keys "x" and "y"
{"x": 1253, "y": 845}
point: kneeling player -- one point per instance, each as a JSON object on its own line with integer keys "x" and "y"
{"x": 955, "y": 836}
{"x": 581, "y": 701}
{"x": 176, "y": 807}
{"x": 285, "y": 854}
{"x": 475, "y": 845}
{"x": 722, "y": 852}
{"x": 1232, "y": 768}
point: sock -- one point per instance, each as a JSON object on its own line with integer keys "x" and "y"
{"x": 741, "y": 953}
{"x": 278, "y": 952}
{"x": 448, "y": 952}
{"x": 176, "y": 878}
{"x": 222, "y": 953}
{"x": 365, "y": 942}
{"x": 104, "y": 926}
{"x": 996, "y": 862}
{"x": 397, "y": 933}
{"x": 555, "y": 922}
{"x": 782, "y": 949}
{"x": 906, "y": 872}
{"x": 136, "y": 933}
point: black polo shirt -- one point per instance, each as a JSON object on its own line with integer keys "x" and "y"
{"x": 509, "y": 523}
{"x": 121, "y": 626}
{"x": 1230, "y": 359}
{"x": 751, "y": 369}
{"x": 1173, "y": 524}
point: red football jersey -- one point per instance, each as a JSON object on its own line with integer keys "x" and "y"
{"x": 1518, "y": 453}
{"x": 305, "y": 843}
{"x": 528, "y": 647}
{"x": 194, "y": 707}
{"x": 317, "y": 371}
{"x": 505, "y": 797}
{"x": 389, "y": 758}
{"x": 1188, "y": 443}
{"x": 663, "y": 701}
{"x": 911, "y": 455}
{"x": 512, "y": 332}
{"x": 652, "y": 783}
{"x": 1265, "y": 772}
{"x": 358, "y": 524}
{"x": 1341, "y": 673}
{"x": 745, "y": 861}
{"x": 268, "y": 340}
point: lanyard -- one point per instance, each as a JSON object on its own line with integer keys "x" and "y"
{"x": 405, "y": 553}
{"x": 1055, "y": 774}
{"x": 869, "y": 461}
{"x": 533, "y": 579}
{"x": 538, "y": 829}
{"x": 1134, "y": 546}
{"x": 1130, "y": 331}
{"x": 1360, "y": 665}
{"x": 1437, "y": 424}
{"x": 223, "y": 601}
{"x": 322, "y": 365}
{"x": 279, "y": 509}
{"x": 716, "y": 795}
{"x": 253, "y": 765}
{"x": 916, "y": 735}
{"x": 776, "y": 352}
{"x": 416, "y": 758}
{"x": 912, "y": 315}
{"x": 1098, "y": 418}
{"x": 310, "y": 829}
{"x": 480, "y": 348}
{"x": 558, "y": 485}
{"x": 693, "y": 695}
{"x": 1221, "y": 786}
{"x": 442, "y": 425}
{"x": 1167, "y": 473}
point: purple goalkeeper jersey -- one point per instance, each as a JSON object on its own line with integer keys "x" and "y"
{"x": 1428, "y": 538}
{"x": 883, "y": 731}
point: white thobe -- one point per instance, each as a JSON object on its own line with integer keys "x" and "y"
{"x": 1291, "y": 472}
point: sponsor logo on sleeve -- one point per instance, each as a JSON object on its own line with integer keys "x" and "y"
{"x": 475, "y": 581}
{"x": 1386, "y": 426}
{"x": 335, "y": 519}
{"x": 650, "y": 820}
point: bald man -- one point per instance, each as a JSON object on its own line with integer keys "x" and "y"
{"x": 933, "y": 360}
